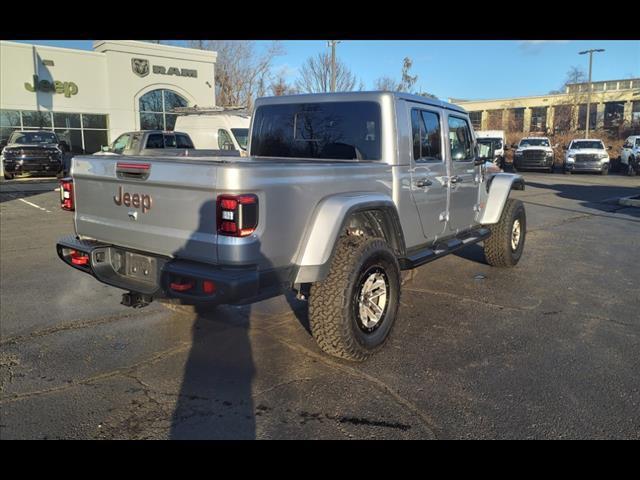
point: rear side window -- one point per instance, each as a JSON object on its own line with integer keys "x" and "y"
{"x": 327, "y": 130}
{"x": 426, "y": 130}
{"x": 155, "y": 140}
{"x": 460, "y": 140}
{"x": 183, "y": 141}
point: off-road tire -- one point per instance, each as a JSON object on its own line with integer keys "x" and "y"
{"x": 497, "y": 248}
{"x": 333, "y": 301}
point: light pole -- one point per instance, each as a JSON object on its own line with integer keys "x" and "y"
{"x": 332, "y": 44}
{"x": 590, "y": 52}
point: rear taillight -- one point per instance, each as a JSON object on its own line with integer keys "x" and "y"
{"x": 66, "y": 194}
{"x": 237, "y": 215}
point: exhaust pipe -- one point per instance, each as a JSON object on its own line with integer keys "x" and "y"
{"x": 136, "y": 300}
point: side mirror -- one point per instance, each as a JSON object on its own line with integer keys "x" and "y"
{"x": 609, "y": 147}
{"x": 513, "y": 145}
{"x": 565, "y": 147}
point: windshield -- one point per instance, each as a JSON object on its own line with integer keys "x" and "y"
{"x": 534, "y": 142}
{"x": 497, "y": 142}
{"x": 33, "y": 137}
{"x": 327, "y": 130}
{"x": 242, "y": 136}
{"x": 587, "y": 144}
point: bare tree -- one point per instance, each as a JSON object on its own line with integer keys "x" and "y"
{"x": 241, "y": 71}
{"x": 574, "y": 75}
{"x": 408, "y": 81}
{"x": 315, "y": 76}
{"x": 387, "y": 84}
{"x": 279, "y": 86}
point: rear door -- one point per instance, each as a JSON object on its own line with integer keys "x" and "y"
{"x": 428, "y": 168}
{"x": 463, "y": 195}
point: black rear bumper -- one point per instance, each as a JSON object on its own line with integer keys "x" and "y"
{"x": 237, "y": 285}
{"x": 31, "y": 166}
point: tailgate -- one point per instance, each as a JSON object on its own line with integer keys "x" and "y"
{"x": 161, "y": 206}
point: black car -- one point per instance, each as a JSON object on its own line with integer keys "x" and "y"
{"x": 33, "y": 152}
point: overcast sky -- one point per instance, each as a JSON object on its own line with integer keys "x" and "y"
{"x": 461, "y": 69}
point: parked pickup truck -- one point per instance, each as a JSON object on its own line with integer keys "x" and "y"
{"x": 586, "y": 155}
{"x": 28, "y": 152}
{"x": 339, "y": 193}
{"x": 158, "y": 142}
{"x": 533, "y": 153}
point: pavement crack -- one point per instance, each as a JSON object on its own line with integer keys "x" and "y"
{"x": 473, "y": 300}
{"x": 124, "y": 371}
{"x": 426, "y": 421}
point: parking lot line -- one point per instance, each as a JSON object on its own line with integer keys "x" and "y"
{"x": 34, "y": 205}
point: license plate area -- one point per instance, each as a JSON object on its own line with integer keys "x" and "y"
{"x": 140, "y": 267}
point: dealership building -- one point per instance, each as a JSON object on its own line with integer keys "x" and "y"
{"x": 614, "y": 103}
{"x": 90, "y": 97}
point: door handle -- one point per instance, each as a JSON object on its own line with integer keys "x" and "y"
{"x": 455, "y": 179}
{"x": 424, "y": 182}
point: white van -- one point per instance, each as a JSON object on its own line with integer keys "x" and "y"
{"x": 497, "y": 139}
{"x": 216, "y": 131}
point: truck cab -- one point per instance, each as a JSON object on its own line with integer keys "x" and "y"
{"x": 495, "y": 139}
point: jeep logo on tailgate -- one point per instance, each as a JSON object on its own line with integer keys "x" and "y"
{"x": 135, "y": 200}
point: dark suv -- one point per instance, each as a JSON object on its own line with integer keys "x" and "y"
{"x": 32, "y": 152}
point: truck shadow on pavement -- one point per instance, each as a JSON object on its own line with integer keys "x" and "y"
{"x": 590, "y": 196}
{"x": 215, "y": 399}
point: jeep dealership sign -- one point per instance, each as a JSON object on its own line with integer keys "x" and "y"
{"x": 68, "y": 88}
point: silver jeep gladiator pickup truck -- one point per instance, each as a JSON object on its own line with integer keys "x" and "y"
{"x": 339, "y": 193}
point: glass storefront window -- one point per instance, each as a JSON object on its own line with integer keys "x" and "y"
{"x": 36, "y": 119}
{"x": 66, "y": 120}
{"x": 156, "y": 107}
{"x": 6, "y": 131}
{"x": 73, "y": 138}
{"x": 94, "y": 121}
{"x": 94, "y": 140}
{"x": 9, "y": 118}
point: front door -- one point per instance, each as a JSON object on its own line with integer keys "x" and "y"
{"x": 428, "y": 169}
{"x": 463, "y": 183}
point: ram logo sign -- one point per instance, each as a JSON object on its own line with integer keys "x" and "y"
{"x": 140, "y": 66}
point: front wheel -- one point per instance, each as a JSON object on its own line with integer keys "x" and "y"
{"x": 505, "y": 245}
{"x": 631, "y": 171}
{"x": 352, "y": 311}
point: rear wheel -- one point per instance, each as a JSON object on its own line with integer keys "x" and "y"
{"x": 505, "y": 245}
{"x": 352, "y": 311}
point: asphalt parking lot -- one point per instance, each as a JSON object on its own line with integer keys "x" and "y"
{"x": 550, "y": 349}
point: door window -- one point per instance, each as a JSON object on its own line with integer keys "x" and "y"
{"x": 460, "y": 140}
{"x": 121, "y": 143}
{"x": 224, "y": 140}
{"x": 425, "y": 127}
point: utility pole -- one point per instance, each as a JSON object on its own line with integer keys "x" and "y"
{"x": 590, "y": 52}
{"x": 332, "y": 44}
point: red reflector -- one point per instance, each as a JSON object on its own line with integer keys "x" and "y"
{"x": 208, "y": 287}
{"x": 79, "y": 258}
{"x": 228, "y": 203}
{"x": 181, "y": 287}
{"x": 229, "y": 227}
